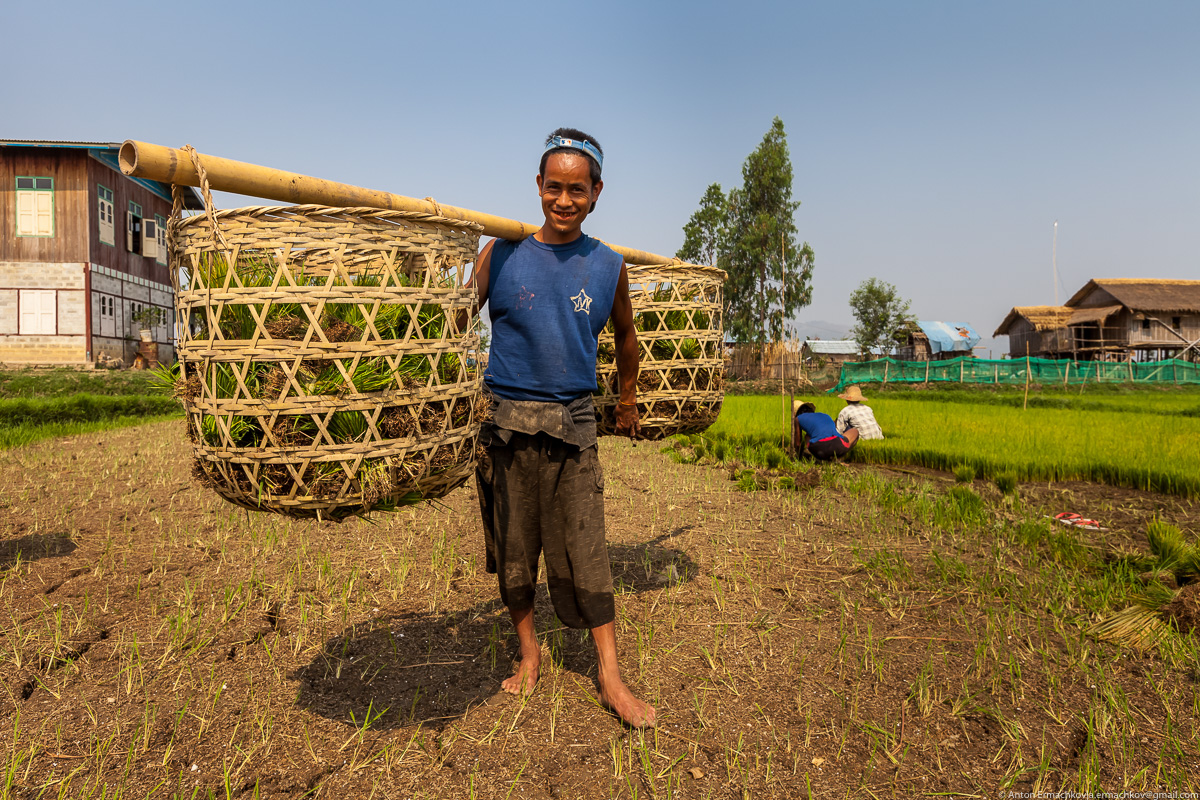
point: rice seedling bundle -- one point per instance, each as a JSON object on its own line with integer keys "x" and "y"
{"x": 321, "y": 365}
{"x": 677, "y": 312}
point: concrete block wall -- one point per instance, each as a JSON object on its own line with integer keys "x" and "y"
{"x": 43, "y": 350}
{"x": 8, "y": 311}
{"x": 69, "y": 346}
{"x": 40, "y": 275}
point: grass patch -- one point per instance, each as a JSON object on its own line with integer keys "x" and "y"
{"x": 22, "y": 412}
{"x": 30, "y": 419}
{"x": 61, "y": 381}
{"x": 22, "y": 435}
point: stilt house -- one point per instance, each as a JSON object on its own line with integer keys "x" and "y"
{"x": 1111, "y": 319}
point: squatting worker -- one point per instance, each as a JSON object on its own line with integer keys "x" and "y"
{"x": 857, "y": 415}
{"x": 540, "y": 483}
{"x": 817, "y": 431}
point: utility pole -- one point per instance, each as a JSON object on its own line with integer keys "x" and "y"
{"x": 1054, "y": 262}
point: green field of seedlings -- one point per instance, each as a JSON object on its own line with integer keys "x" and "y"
{"x": 1141, "y": 441}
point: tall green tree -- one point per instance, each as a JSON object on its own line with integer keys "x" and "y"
{"x": 706, "y": 234}
{"x": 881, "y": 315}
{"x": 762, "y": 238}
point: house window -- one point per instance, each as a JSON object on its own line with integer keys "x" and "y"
{"x": 133, "y": 228}
{"x": 1176, "y": 322}
{"x": 106, "y": 306}
{"x": 35, "y": 206}
{"x": 104, "y": 205}
{"x": 160, "y": 249}
{"x": 39, "y": 312}
{"x": 1145, "y": 325}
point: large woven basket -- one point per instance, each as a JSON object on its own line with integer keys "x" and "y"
{"x": 323, "y": 371}
{"x": 681, "y": 378}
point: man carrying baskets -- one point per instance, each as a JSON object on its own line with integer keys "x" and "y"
{"x": 540, "y": 484}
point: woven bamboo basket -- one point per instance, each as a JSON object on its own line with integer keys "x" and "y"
{"x": 321, "y": 366}
{"x": 677, "y": 312}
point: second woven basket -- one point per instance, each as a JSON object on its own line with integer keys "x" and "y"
{"x": 677, "y": 312}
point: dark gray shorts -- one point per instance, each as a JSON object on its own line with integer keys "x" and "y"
{"x": 538, "y": 494}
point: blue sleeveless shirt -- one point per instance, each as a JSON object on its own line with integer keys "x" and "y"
{"x": 548, "y": 304}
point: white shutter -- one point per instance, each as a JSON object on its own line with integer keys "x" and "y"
{"x": 26, "y": 213}
{"x": 39, "y": 309}
{"x": 106, "y": 223}
{"x": 48, "y": 313}
{"x": 45, "y": 213}
{"x": 161, "y": 254}
{"x": 129, "y": 231}
{"x": 149, "y": 238}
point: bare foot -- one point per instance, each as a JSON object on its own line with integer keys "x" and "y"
{"x": 633, "y": 712}
{"x": 523, "y": 681}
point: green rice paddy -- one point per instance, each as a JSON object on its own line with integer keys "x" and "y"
{"x": 1142, "y": 441}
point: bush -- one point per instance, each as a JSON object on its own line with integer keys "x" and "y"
{"x": 1006, "y": 482}
{"x": 964, "y": 473}
{"x": 773, "y": 457}
{"x": 967, "y": 507}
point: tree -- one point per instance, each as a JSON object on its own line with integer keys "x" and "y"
{"x": 706, "y": 234}
{"x": 881, "y": 314}
{"x": 762, "y": 234}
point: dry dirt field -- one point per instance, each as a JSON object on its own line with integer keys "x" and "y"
{"x": 869, "y": 635}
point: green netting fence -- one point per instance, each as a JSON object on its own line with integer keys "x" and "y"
{"x": 1018, "y": 371}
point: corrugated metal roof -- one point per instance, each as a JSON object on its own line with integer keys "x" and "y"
{"x": 56, "y": 143}
{"x": 832, "y": 347}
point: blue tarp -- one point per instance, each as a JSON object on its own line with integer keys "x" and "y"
{"x": 949, "y": 337}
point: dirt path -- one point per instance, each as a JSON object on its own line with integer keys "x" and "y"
{"x": 855, "y": 638}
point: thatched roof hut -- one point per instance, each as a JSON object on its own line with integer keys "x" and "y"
{"x": 1140, "y": 294}
{"x": 1111, "y": 318}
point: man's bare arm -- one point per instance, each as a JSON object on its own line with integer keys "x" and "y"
{"x": 625, "y": 334}
{"x": 479, "y": 279}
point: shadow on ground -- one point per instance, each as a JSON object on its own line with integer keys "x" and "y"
{"x": 33, "y": 546}
{"x": 431, "y": 669}
{"x": 651, "y": 565}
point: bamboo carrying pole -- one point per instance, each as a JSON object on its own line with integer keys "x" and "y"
{"x": 170, "y": 165}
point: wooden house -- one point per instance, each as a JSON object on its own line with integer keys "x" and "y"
{"x": 82, "y": 250}
{"x": 1111, "y": 319}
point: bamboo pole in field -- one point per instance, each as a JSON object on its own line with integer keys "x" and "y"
{"x": 1025, "y": 406}
{"x": 170, "y": 165}
{"x": 791, "y": 428}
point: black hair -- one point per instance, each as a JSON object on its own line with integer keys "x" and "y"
{"x": 806, "y": 408}
{"x": 573, "y": 133}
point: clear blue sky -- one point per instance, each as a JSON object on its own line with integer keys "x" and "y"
{"x": 934, "y": 144}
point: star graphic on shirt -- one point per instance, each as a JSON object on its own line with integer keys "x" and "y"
{"x": 582, "y": 302}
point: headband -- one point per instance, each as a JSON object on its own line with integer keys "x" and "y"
{"x": 583, "y": 145}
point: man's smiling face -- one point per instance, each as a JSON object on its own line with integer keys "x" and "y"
{"x": 567, "y": 194}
